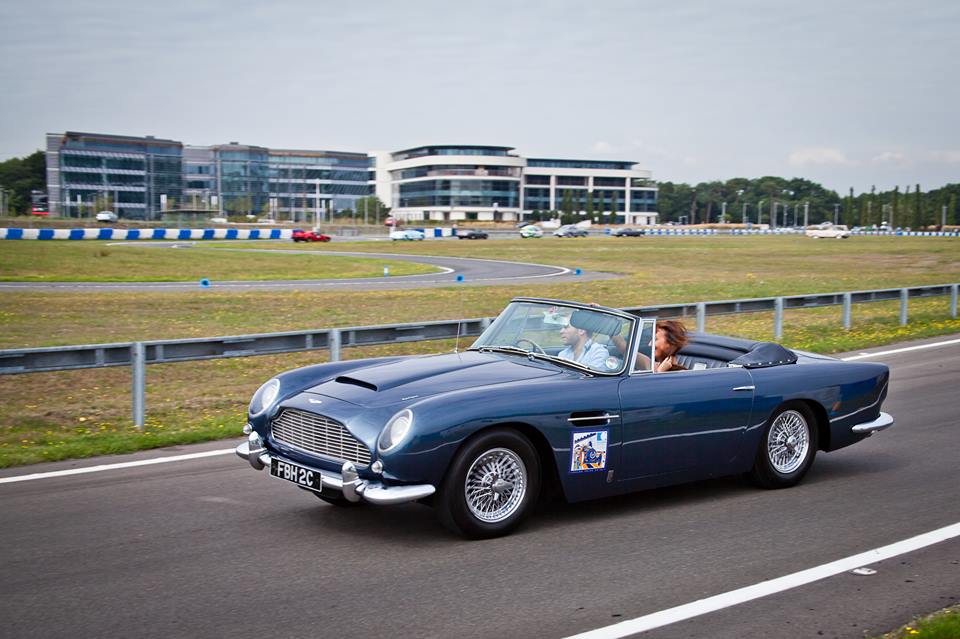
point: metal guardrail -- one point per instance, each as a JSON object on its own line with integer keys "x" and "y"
{"x": 139, "y": 354}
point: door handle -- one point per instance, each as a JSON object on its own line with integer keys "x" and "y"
{"x": 744, "y": 388}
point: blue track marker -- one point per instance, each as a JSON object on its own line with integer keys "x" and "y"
{"x": 577, "y": 272}
{"x": 460, "y": 278}
{"x": 204, "y": 283}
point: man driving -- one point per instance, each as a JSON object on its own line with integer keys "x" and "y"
{"x": 579, "y": 344}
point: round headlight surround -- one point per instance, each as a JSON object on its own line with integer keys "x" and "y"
{"x": 265, "y": 396}
{"x": 395, "y": 431}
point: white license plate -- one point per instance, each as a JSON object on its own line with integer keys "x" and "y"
{"x": 296, "y": 474}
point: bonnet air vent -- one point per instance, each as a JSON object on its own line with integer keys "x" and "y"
{"x": 355, "y": 382}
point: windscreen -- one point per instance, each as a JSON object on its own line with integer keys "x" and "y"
{"x": 595, "y": 339}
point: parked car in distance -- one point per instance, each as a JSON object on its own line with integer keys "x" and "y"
{"x": 570, "y": 230}
{"x": 479, "y": 434}
{"x": 389, "y": 221}
{"x": 219, "y": 220}
{"x": 828, "y": 230}
{"x": 299, "y": 235}
{"x": 625, "y": 231}
{"x": 531, "y": 230}
{"x": 106, "y": 216}
{"x": 471, "y": 235}
{"x": 407, "y": 234}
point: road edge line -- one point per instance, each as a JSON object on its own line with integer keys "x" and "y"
{"x": 765, "y": 588}
{"x": 102, "y": 467}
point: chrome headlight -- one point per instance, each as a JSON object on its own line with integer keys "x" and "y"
{"x": 265, "y": 396}
{"x": 396, "y": 430}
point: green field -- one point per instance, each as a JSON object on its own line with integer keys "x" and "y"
{"x": 47, "y": 416}
{"x": 94, "y": 261}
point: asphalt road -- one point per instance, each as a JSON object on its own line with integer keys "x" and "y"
{"x": 212, "y": 548}
{"x": 473, "y": 271}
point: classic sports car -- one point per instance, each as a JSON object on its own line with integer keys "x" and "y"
{"x": 479, "y": 433}
{"x": 625, "y": 231}
{"x": 300, "y": 235}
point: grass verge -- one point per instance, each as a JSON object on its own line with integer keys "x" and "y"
{"x": 943, "y": 624}
{"x": 94, "y": 261}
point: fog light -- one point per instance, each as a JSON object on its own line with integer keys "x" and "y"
{"x": 247, "y": 429}
{"x": 377, "y": 467}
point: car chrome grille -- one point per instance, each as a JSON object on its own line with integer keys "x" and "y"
{"x": 318, "y": 434}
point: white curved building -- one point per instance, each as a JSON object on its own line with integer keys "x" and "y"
{"x": 450, "y": 183}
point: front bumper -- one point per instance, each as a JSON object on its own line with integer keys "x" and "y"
{"x": 885, "y": 420}
{"x": 348, "y": 483}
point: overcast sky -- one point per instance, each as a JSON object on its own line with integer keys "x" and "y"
{"x": 843, "y": 93}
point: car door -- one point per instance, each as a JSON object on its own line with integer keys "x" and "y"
{"x": 683, "y": 421}
{"x": 691, "y": 422}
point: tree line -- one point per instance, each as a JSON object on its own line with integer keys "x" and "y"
{"x": 757, "y": 199}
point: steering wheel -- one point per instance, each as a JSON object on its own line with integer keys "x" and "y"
{"x": 536, "y": 347}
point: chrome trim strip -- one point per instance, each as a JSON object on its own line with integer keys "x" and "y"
{"x": 744, "y": 388}
{"x": 885, "y": 420}
{"x": 585, "y": 419}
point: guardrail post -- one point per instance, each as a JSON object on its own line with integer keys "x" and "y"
{"x": 778, "y": 318}
{"x": 138, "y": 364}
{"x": 953, "y": 301}
{"x": 701, "y": 317}
{"x": 904, "y": 297}
{"x": 847, "y": 302}
{"x": 334, "y": 339}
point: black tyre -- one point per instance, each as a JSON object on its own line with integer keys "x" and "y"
{"x": 788, "y": 447}
{"x": 491, "y": 485}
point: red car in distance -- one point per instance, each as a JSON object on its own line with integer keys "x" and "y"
{"x": 300, "y": 235}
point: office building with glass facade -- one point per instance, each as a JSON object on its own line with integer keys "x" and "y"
{"x": 143, "y": 178}
{"x": 132, "y": 176}
{"x": 469, "y": 182}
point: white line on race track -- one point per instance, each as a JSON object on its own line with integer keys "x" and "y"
{"x": 96, "y": 469}
{"x": 749, "y": 593}
{"x": 902, "y": 350}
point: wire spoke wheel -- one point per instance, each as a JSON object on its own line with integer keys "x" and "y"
{"x": 788, "y": 442}
{"x": 495, "y": 485}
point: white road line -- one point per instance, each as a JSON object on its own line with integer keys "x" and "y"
{"x": 902, "y": 350}
{"x": 749, "y": 593}
{"x": 96, "y": 469}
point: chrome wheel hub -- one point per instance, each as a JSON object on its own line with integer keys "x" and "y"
{"x": 788, "y": 442}
{"x": 495, "y": 485}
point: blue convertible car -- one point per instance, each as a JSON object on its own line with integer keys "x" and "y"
{"x": 480, "y": 434}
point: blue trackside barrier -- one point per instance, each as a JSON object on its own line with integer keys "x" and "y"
{"x": 429, "y": 233}
{"x": 144, "y": 234}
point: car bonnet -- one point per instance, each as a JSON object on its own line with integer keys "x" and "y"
{"x": 419, "y": 377}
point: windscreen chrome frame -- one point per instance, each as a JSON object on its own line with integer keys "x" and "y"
{"x": 638, "y": 346}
